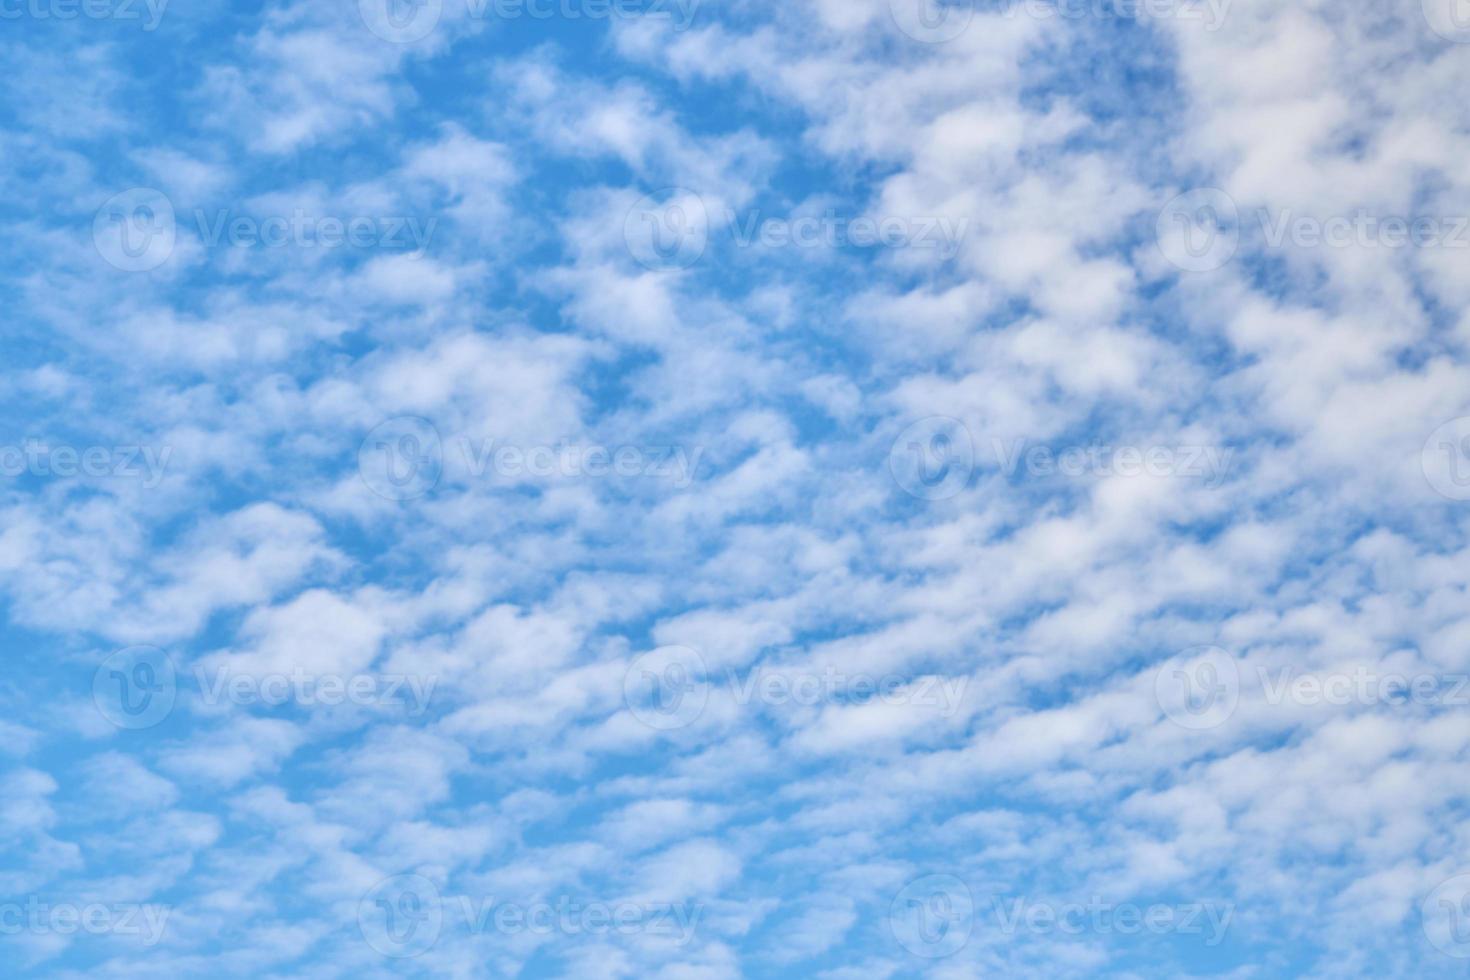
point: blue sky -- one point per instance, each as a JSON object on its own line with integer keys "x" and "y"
{"x": 690, "y": 490}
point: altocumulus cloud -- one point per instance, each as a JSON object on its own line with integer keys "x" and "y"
{"x": 887, "y": 488}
